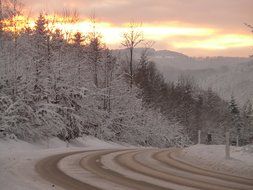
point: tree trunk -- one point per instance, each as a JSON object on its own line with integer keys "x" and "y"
{"x": 15, "y": 88}
{"x": 131, "y": 66}
{"x": 96, "y": 75}
{"x": 109, "y": 100}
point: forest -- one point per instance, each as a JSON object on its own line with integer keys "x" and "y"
{"x": 53, "y": 83}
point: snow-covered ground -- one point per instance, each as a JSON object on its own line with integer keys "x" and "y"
{"x": 213, "y": 157}
{"x": 18, "y": 158}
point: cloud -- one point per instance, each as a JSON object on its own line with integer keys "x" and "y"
{"x": 225, "y": 13}
{"x": 192, "y": 26}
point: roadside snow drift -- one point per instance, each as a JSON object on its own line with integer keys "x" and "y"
{"x": 213, "y": 157}
{"x": 18, "y": 158}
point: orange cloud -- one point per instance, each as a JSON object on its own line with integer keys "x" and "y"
{"x": 174, "y": 35}
{"x": 216, "y": 42}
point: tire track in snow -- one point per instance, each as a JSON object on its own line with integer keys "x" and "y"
{"x": 93, "y": 164}
{"x": 141, "y": 169}
{"x": 48, "y": 170}
{"x": 130, "y": 162}
{"x": 110, "y": 162}
{"x": 170, "y": 159}
{"x": 147, "y": 158}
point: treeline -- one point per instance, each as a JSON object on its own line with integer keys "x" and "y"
{"x": 52, "y": 84}
{"x": 195, "y": 109}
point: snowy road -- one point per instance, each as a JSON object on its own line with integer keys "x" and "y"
{"x": 125, "y": 169}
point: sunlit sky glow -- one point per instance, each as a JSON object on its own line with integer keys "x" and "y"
{"x": 193, "y": 27}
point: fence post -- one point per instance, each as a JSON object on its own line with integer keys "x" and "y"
{"x": 227, "y": 146}
{"x": 199, "y": 136}
{"x": 237, "y": 140}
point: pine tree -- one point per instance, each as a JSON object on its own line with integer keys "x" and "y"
{"x": 52, "y": 101}
{"x": 78, "y": 39}
{"x": 236, "y": 120}
{"x": 41, "y": 59}
{"x": 233, "y": 106}
{"x": 247, "y": 117}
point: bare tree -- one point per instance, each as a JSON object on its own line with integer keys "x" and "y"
{"x": 95, "y": 49}
{"x": 251, "y": 28}
{"x": 78, "y": 41}
{"x": 15, "y": 10}
{"x": 108, "y": 69}
{"x": 68, "y": 17}
{"x": 132, "y": 38}
{"x": 10, "y": 10}
{"x": 145, "y": 53}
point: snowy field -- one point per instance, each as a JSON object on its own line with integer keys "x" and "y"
{"x": 213, "y": 157}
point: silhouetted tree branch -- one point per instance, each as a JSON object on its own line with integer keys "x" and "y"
{"x": 132, "y": 38}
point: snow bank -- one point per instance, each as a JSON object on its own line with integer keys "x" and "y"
{"x": 18, "y": 158}
{"x": 92, "y": 142}
{"x": 213, "y": 157}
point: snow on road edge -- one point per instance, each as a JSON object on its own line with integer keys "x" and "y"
{"x": 213, "y": 157}
{"x": 18, "y": 158}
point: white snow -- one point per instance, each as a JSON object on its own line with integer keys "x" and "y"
{"x": 18, "y": 158}
{"x": 213, "y": 157}
{"x": 147, "y": 159}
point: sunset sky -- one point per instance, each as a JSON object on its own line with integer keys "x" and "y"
{"x": 193, "y": 27}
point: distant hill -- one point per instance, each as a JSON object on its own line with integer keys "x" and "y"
{"x": 225, "y": 75}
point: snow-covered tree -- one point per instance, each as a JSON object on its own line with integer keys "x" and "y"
{"x": 237, "y": 125}
{"x": 50, "y": 87}
{"x": 247, "y": 118}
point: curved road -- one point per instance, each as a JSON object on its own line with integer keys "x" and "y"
{"x": 140, "y": 169}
